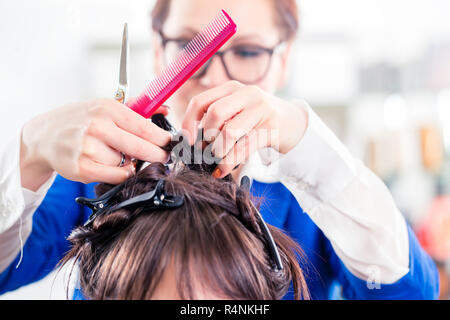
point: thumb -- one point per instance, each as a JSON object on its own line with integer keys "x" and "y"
{"x": 164, "y": 110}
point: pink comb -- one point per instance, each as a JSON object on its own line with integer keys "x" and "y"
{"x": 198, "y": 51}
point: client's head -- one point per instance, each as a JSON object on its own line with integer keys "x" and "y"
{"x": 211, "y": 247}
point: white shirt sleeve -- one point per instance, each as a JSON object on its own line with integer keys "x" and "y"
{"x": 349, "y": 203}
{"x": 17, "y": 204}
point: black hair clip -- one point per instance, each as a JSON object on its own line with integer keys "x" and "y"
{"x": 156, "y": 199}
{"x": 182, "y": 151}
{"x": 273, "y": 249}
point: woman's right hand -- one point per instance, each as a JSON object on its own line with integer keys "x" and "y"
{"x": 82, "y": 142}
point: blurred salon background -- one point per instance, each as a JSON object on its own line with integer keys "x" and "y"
{"x": 376, "y": 71}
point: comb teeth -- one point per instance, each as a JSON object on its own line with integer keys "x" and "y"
{"x": 192, "y": 49}
{"x": 202, "y": 47}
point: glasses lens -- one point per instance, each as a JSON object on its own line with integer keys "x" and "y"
{"x": 172, "y": 50}
{"x": 247, "y": 64}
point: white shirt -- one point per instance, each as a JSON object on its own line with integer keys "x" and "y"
{"x": 349, "y": 203}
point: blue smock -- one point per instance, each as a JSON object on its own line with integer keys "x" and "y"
{"x": 326, "y": 275}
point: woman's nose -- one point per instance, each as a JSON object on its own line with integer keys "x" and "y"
{"x": 215, "y": 75}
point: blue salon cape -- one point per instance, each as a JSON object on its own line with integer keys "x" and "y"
{"x": 326, "y": 275}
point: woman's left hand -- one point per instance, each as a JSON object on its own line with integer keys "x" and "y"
{"x": 239, "y": 120}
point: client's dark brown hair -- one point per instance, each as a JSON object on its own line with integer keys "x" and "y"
{"x": 213, "y": 240}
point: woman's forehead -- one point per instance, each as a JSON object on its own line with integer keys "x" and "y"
{"x": 255, "y": 19}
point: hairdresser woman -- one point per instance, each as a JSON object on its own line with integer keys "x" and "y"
{"x": 340, "y": 213}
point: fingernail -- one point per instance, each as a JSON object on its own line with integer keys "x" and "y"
{"x": 132, "y": 171}
{"x": 216, "y": 173}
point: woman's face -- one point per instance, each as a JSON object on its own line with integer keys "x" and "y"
{"x": 256, "y": 28}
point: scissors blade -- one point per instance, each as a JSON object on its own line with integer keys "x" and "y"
{"x": 123, "y": 76}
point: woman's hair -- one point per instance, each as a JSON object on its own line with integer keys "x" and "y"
{"x": 287, "y": 16}
{"x": 212, "y": 240}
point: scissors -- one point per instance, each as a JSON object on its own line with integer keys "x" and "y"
{"x": 122, "y": 90}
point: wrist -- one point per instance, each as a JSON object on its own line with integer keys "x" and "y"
{"x": 34, "y": 170}
{"x": 292, "y": 125}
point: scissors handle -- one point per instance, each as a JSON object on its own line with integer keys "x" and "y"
{"x": 121, "y": 95}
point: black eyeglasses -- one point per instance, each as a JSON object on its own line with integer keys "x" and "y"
{"x": 248, "y": 64}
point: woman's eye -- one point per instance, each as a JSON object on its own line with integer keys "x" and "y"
{"x": 182, "y": 44}
{"x": 247, "y": 53}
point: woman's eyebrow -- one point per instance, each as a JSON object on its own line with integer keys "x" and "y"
{"x": 189, "y": 32}
{"x": 249, "y": 38}
{"x": 184, "y": 32}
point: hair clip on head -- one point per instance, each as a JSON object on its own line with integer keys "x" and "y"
{"x": 156, "y": 199}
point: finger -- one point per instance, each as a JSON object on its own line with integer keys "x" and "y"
{"x": 164, "y": 110}
{"x": 98, "y": 151}
{"x": 137, "y": 125}
{"x": 128, "y": 143}
{"x": 161, "y": 110}
{"x": 200, "y": 103}
{"x": 91, "y": 171}
{"x": 240, "y": 153}
{"x": 235, "y": 129}
{"x": 225, "y": 109}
